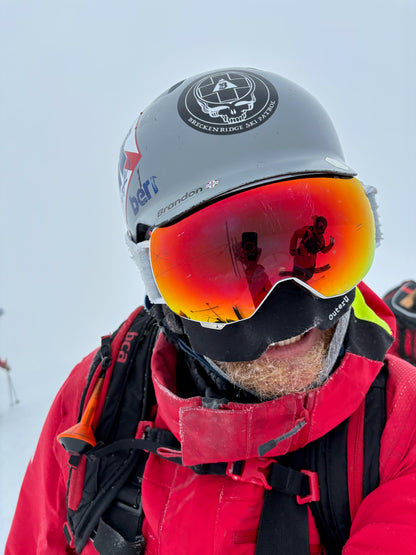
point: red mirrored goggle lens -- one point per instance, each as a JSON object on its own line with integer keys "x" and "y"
{"x": 219, "y": 264}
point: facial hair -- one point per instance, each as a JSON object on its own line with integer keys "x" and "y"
{"x": 269, "y": 379}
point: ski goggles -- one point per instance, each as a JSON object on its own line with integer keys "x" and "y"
{"x": 220, "y": 263}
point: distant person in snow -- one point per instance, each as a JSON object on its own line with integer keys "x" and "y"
{"x": 253, "y": 405}
{"x": 4, "y": 364}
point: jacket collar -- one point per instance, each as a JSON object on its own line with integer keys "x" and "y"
{"x": 237, "y": 431}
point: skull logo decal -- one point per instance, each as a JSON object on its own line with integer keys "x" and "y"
{"x": 229, "y": 97}
{"x": 227, "y": 102}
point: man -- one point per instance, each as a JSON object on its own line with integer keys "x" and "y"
{"x": 305, "y": 244}
{"x": 278, "y": 423}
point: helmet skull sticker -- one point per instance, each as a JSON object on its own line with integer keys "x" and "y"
{"x": 227, "y": 102}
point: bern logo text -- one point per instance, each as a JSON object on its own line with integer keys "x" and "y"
{"x": 143, "y": 194}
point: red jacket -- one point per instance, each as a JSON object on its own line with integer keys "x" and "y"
{"x": 187, "y": 513}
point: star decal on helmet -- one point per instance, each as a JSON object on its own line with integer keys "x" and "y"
{"x": 129, "y": 158}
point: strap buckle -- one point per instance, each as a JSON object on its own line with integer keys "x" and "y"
{"x": 314, "y": 494}
{"x": 252, "y": 471}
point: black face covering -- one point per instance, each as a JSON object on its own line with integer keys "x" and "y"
{"x": 289, "y": 311}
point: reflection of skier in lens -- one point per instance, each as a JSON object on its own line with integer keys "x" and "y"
{"x": 305, "y": 244}
{"x": 248, "y": 254}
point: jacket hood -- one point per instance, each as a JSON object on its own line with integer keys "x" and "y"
{"x": 239, "y": 431}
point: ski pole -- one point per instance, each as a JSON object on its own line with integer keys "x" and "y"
{"x": 12, "y": 391}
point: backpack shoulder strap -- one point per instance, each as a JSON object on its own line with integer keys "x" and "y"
{"x": 332, "y": 461}
{"x": 350, "y": 466}
{"x": 365, "y": 428}
{"x": 308, "y": 233}
{"x": 126, "y": 398}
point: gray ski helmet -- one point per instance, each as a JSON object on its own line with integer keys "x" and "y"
{"x": 207, "y": 137}
{"x": 218, "y": 132}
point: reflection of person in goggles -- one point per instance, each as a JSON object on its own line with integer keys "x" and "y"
{"x": 248, "y": 253}
{"x": 305, "y": 244}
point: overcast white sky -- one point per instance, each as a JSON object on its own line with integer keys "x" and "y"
{"x": 74, "y": 75}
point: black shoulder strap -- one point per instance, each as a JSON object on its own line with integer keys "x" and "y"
{"x": 284, "y": 519}
{"x": 95, "y": 481}
{"x": 307, "y": 234}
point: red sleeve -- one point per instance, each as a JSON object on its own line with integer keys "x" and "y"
{"x": 37, "y": 527}
{"x": 298, "y": 234}
{"x": 385, "y": 522}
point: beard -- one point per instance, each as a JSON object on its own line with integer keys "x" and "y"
{"x": 270, "y": 378}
